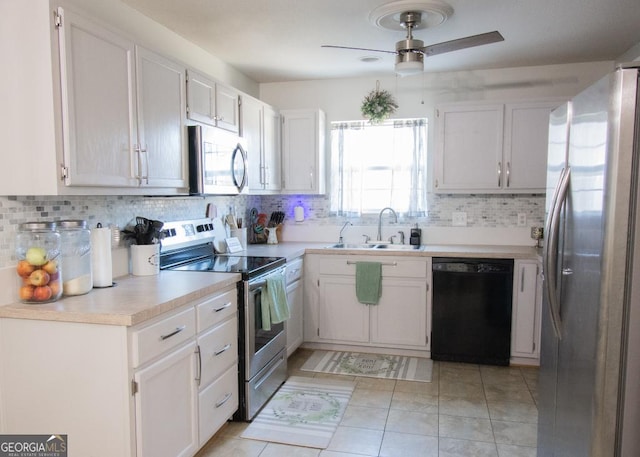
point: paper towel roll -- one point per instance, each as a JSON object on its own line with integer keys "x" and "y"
{"x": 101, "y": 257}
{"x": 298, "y": 212}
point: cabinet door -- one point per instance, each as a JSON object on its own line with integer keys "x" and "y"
{"x": 526, "y": 141}
{"x": 525, "y": 327}
{"x": 201, "y": 95}
{"x": 469, "y": 148}
{"x": 400, "y": 317}
{"x": 98, "y": 104}
{"x": 340, "y": 316}
{"x": 293, "y": 326}
{"x": 252, "y": 132}
{"x": 271, "y": 147}
{"x": 162, "y": 137}
{"x": 303, "y": 151}
{"x": 227, "y": 108}
{"x": 165, "y": 404}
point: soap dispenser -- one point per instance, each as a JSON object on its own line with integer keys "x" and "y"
{"x": 416, "y": 235}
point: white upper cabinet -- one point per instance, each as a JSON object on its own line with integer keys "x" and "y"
{"x": 303, "y": 151}
{"x": 162, "y": 146}
{"x": 469, "y": 147}
{"x": 261, "y": 128}
{"x": 492, "y": 148}
{"x": 98, "y": 104}
{"x": 122, "y": 112}
{"x": 212, "y": 103}
{"x": 526, "y": 141}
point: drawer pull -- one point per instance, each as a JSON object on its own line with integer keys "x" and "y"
{"x": 224, "y": 400}
{"x": 225, "y": 306}
{"x": 175, "y": 332}
{"x": 386, "y": 264}
{"x": 224, "y": 349}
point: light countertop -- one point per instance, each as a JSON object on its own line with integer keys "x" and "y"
{"x": 135, "y": 299}
{"x": 132, "y": 300}
{"x": 291, "y": 250}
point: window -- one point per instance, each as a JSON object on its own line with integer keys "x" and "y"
{"x": 374, "y": 166}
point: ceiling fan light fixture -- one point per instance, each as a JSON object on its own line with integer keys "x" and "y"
{"x": 409, "y": 63}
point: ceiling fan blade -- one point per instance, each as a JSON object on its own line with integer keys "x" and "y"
{"x": 357, "y": 49}
{"x": 462, "y": 43}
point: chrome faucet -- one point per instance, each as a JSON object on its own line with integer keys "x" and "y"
{"x": 380, "y": 220}
{"x": 342, "y": 230}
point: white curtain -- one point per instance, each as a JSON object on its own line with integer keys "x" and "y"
{"x": 374, "y": 166}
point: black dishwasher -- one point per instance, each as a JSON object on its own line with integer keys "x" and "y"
{"x": 472, "y": 310}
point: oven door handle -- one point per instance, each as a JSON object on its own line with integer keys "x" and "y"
{"x": 263, "y": 282}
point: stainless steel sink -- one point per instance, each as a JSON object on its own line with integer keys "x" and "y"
{"x": 399, "y": 247}
{"x": 385, "y": 246}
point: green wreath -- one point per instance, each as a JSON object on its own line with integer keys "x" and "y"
{"x": 378, "y": 105}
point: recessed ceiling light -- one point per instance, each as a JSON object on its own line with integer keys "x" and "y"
{"x": 369, "y": 59}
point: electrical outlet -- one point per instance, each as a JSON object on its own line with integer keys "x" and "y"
{"x": 459, "y": 219}
{"x": 522, "y": 220}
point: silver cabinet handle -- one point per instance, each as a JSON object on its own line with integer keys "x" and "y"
{"x": 521, "y": 279}
{"x": 508, "y": 172}
{"x": 499, "y": 174}
{"x": 387, "y": 264}
{"x": 567, "y": 271}
{"x": 175, "y": 332}
{"x": 199, "y": 374}
{"x": 226, "y": 398}
{"x": 224, "y": 349}
{"x": 223, "y": 307}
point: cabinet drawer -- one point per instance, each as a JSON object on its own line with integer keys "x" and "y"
{"x": 218, "y": 350}
{"x": 294, "y": 270}
{"x": 218, "y": 402}
{"x": 216, "y": 308}
{"x": 161, "y": 336}
{"x": 392, "y": 267}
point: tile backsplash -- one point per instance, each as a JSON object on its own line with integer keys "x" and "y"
{"x": 494, "y": 211}
{"x": 117, "y": 210}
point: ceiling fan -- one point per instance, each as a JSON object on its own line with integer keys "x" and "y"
{"x": 410, "y": 52}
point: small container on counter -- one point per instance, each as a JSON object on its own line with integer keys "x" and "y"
{"x": 75, "y": 247}
{"x": 39, "y": 268}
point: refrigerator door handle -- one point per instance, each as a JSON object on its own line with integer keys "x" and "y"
{"x": 551, "y": 257}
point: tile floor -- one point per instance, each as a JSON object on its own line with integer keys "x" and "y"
{"x": 466, "y": 411}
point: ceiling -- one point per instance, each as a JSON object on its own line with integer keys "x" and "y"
{"x": 280, "y": 40}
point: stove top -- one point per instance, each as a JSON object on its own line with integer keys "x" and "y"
{"x": 189, "y": 246}
{"x": 249, "y": 266}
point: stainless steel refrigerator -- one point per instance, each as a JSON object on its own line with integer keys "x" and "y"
{"x": 589, "y": 384}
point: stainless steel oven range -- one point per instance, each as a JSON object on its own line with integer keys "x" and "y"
{"x": 188, "y": 246}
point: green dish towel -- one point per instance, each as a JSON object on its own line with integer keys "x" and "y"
{"x": 368, "y": 282}
{"x": 274, "y": 306}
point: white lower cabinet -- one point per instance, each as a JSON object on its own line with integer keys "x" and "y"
{"x": 295, "y": 297}
{"x": 340, "y": 316}
{"x": 526, "y": 312}
{"x": 217, "y": 402}
{"x": 401, "y": 319}
{"x": 166, "y": 410}
{"x": 158, "y": 389}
